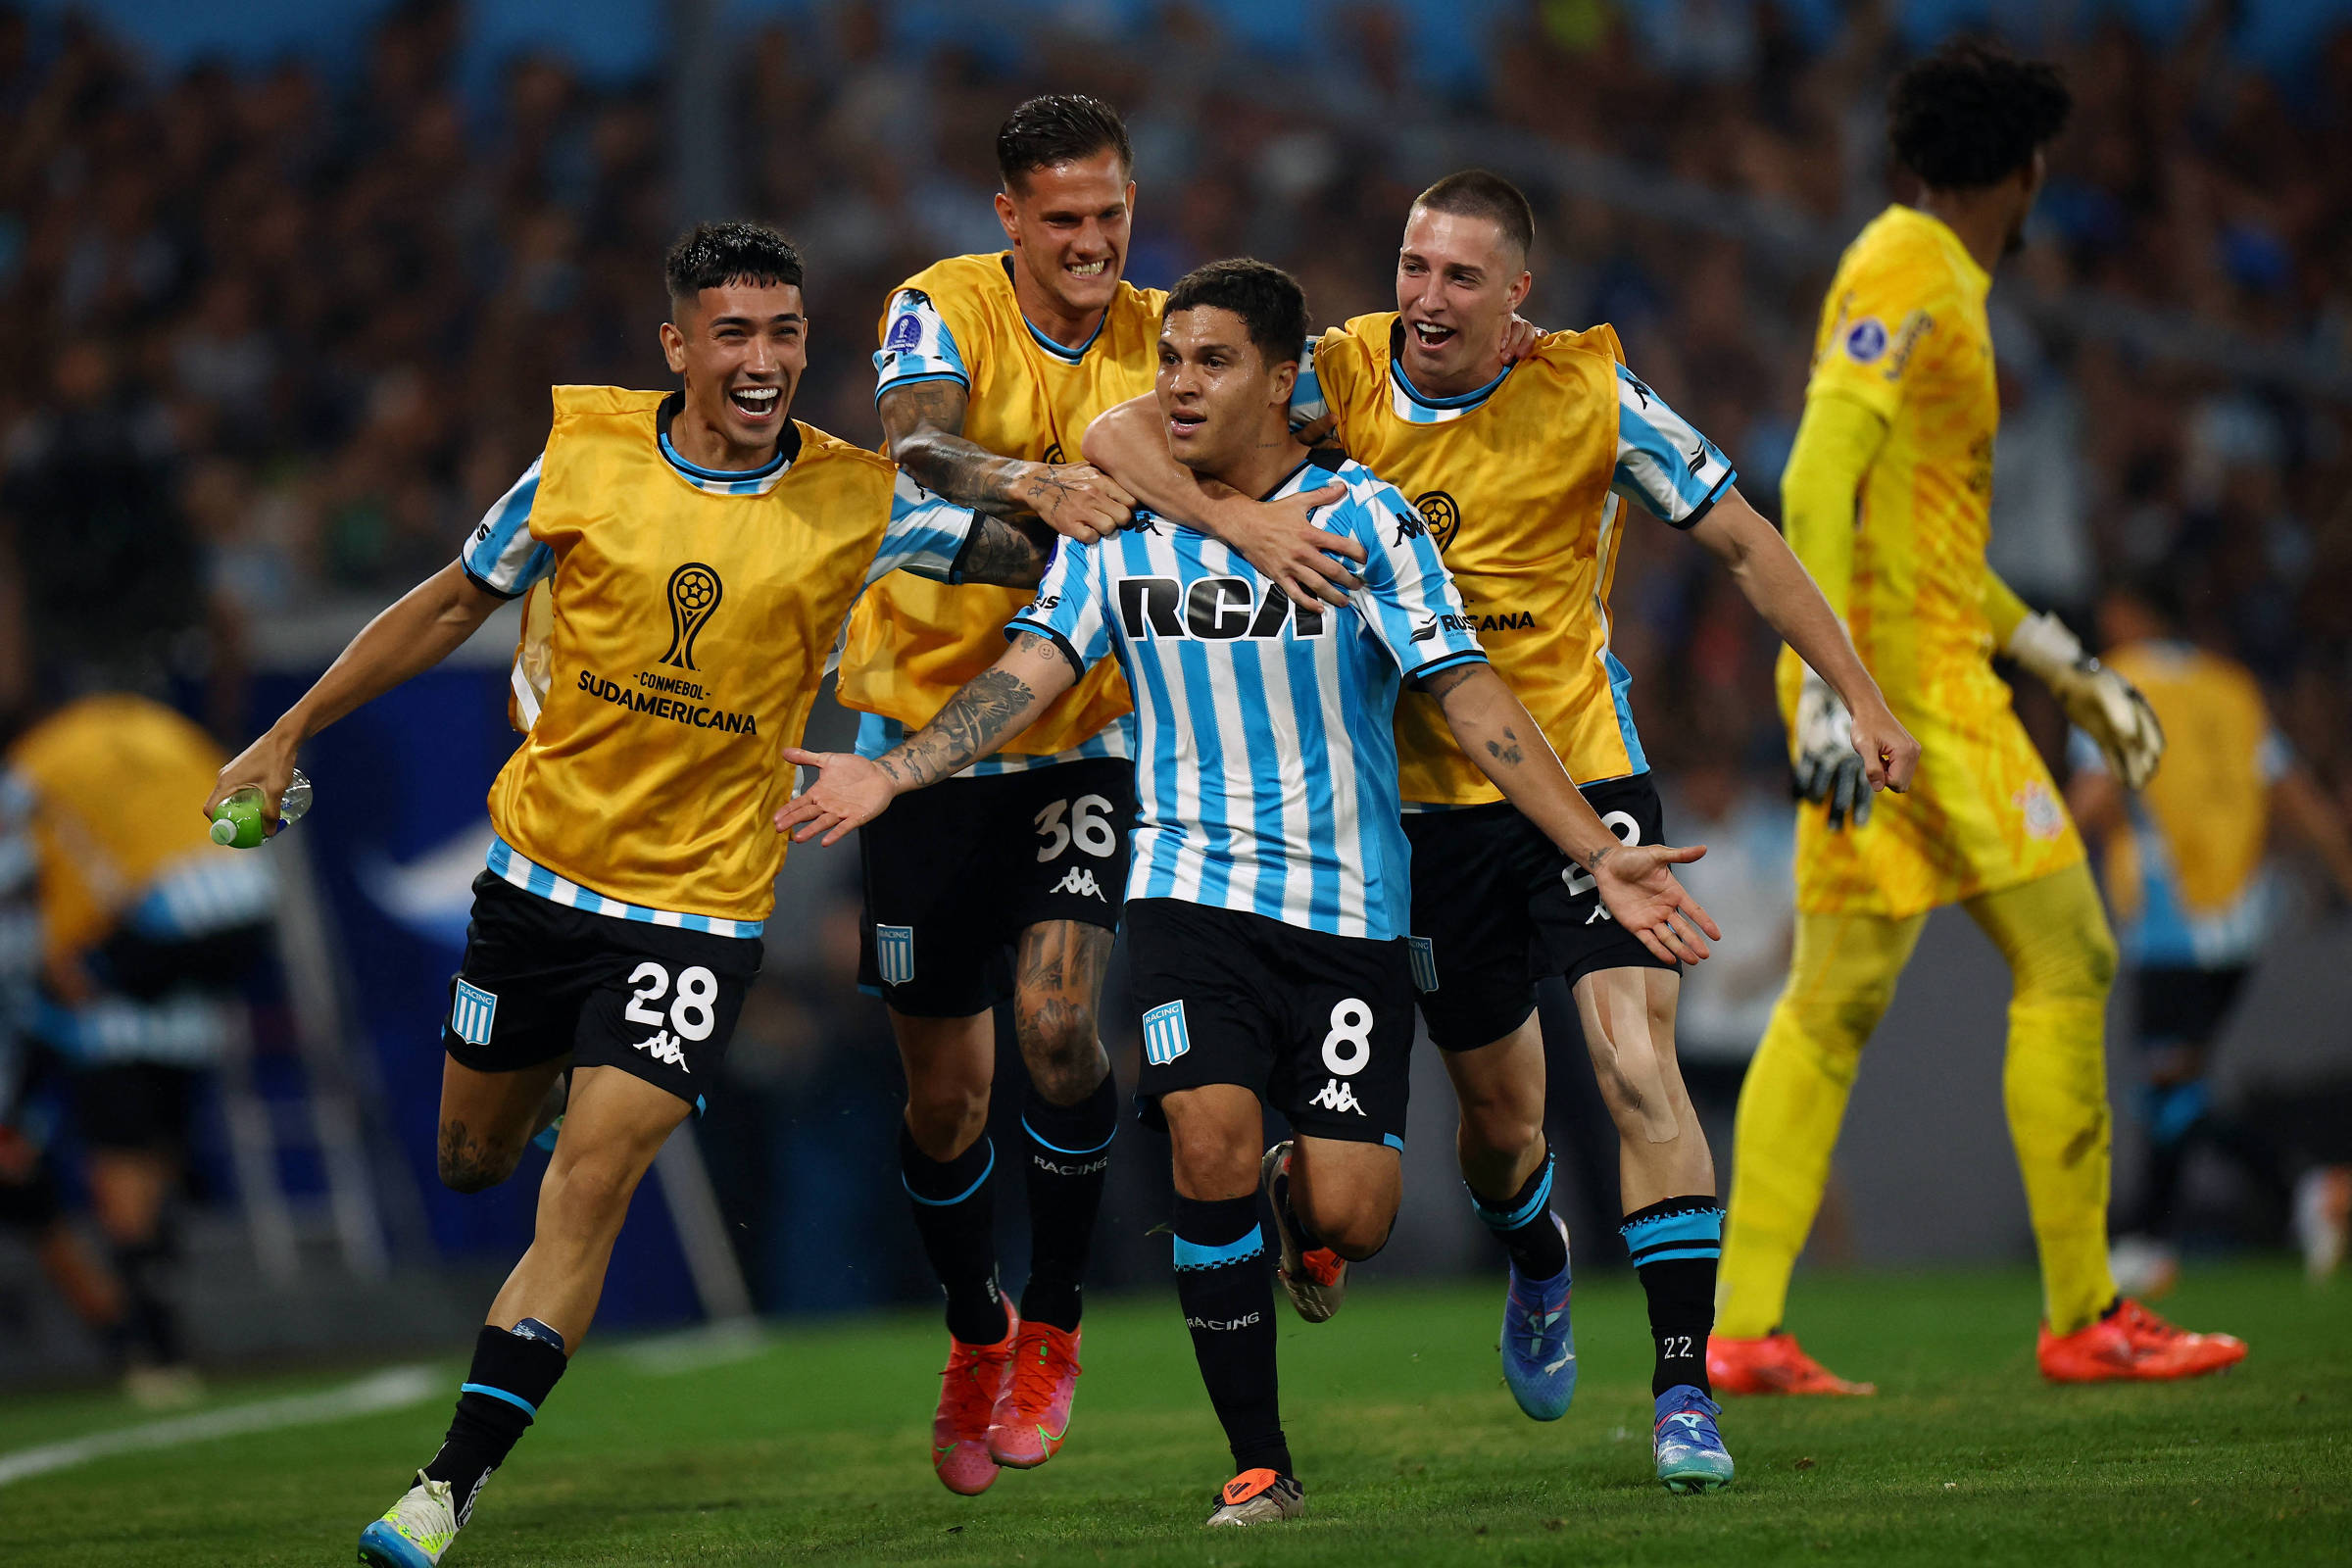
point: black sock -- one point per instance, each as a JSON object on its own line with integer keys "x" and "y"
{"x": 1523, "y": 1223}
{"x": 1069, "y": 1158}
{"x": 1227, "y": 1298}
{"x": 958, "y": 1220}
{"x": 1675, "y": 1244}
{"x": 513, "y": 1372}
{"x": 150, "y": 1327}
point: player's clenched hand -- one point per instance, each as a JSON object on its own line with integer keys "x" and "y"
{"x": 1636, "y": 882}
{"x": 1825, "y": 758}
{"x": 1078, "y": 500}
{"x": 1889, "y": 751}
{"x": 850, "y": 792}
{"x": 1281, "y": 540}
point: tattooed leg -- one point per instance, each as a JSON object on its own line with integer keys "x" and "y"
{"x": 487, "y": 1118}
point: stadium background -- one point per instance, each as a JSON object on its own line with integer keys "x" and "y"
{"x": 283, "y": 288}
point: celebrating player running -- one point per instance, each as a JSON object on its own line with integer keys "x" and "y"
{"x": 1523, "y": 473}
{"x": 700, "y": 542}
{"x": 1268, "y": 895}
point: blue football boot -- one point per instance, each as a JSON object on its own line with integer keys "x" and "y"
{"x": 1538, "y": 1347}
{"x": 1691, "y": 1453}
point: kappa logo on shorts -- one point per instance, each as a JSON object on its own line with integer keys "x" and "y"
{"x": 1424, "y": 954}
{"x": 1165, "y": 1036}
{"x": 663, "y": 1048}
{"x": 471, "y": 1013}
{"x": 894, "y": 953}
{"x": 1081, "y": 881}
{"x": 1337, "y": 1095}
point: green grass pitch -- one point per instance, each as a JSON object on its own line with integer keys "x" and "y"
{"x": 810, "y": 1446}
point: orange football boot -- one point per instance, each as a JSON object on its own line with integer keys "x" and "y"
{"x": 1033, "y": 1412}
{"x": 1772, "y": 1364}
{"x": 975, "y": 1375}
{"x": 2133, "y": 1344}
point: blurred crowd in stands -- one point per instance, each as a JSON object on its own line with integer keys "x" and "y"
{"x": 288, "y": 333}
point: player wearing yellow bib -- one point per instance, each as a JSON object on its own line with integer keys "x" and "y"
{"x": 1887, "y": 501}
{"x": 1006, "y": 882}
{"x": 2183, "y": 862}
{"x": 1526, "y": 473}
{"x": 696, "y": 556}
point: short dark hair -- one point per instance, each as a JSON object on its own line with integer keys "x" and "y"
{"x": 1968, "y": 117}
{"x": 1058, "y": 127}
{"x": 1268, "y": 300}
{"x": 1479, "y": 193}
{"x": 715, "y": 254}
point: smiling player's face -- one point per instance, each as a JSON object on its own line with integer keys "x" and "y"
{"x": 1458, "y": 279}
{"x": 1068, "y": 225}
{"x": 1219, "y": 401}
{"x": 741, "y": 348}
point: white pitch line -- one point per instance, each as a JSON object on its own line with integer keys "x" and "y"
{"x": 390, "y": 1390}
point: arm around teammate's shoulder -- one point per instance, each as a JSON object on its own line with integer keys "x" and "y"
{"x": 423, "y": 627}
{"x": 1279, "y": 538}
{"x": 922, "y": 426}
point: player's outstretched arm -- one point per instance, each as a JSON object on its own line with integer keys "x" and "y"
{"x": 923, "y": 426}
{"x": 990, "y": 709}
{"x": 1635, "y": 880}
{"x": 1277, "y": 537}
{"x": 421, "y": 628}
{"x": 1785, "y": 595}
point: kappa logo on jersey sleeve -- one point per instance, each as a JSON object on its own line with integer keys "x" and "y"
{"x": 1211, "y": 610}
{"x": 694, "y": 593}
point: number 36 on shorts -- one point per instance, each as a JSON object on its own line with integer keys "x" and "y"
{"x": 1084, "y": 822}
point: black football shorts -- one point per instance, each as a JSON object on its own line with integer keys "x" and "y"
{"x": 954, "y": 873}
{"x": 541, "y": 981}
{"x": 1318, "y": 1027}
{"x": 1498, "y": 908}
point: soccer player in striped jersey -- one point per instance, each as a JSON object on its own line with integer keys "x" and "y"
{"x": 1269, "y": 891}
{"x": 1526, "y": 473}
{"x": 1006, "y": 885}
{"x": 696, "y": 553}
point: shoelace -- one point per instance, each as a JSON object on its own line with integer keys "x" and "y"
{"x": 969, "y": 1401}
{"x": 1034, "y": 1377}
{"x": 428, "y": 1512}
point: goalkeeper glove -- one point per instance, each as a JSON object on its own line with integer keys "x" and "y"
{"x": 2102, "y": 704}
{"x": 1826, "y": 767}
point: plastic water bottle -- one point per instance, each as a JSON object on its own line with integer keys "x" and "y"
{"x": 238, "y": 823}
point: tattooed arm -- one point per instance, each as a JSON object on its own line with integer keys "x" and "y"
{"x": 1014, "y": 552}
{"x": 1635, "y": 880}
{"x": 923, "y": 425}
{"x": 992, "y": 708}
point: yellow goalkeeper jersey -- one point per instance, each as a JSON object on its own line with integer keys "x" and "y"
{"x": 680, "y": 624}
{"x": 1904, "y": 333}
{"x": 1524, "y": 483}
{"x": 912, "y": 643}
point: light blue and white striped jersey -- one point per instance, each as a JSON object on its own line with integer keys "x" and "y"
{"x": 1265, "y": 765}
{"x": 927, "y": 532}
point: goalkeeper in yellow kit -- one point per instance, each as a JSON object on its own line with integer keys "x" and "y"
{"x": 1887, "y": 501}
